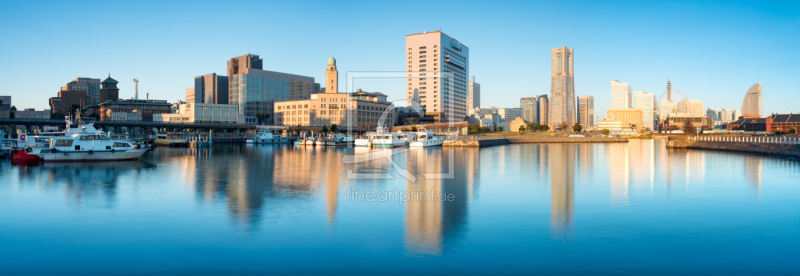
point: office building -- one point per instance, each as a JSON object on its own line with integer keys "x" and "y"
{"x": 544, "y": 109}
{"x": 726, "y": 115}
{"x": 713, "y": 113}
{"x": 145, "y": 109}
{"x": 256, "y": 91}
{"x": 751, "y": 106}
{"x": 629, "y": 117}
{"x": 586, "y": 111}
{"x": 737, "y": 114}
{"x": 474, "y": 97}
{"x": 109, "y": 90}
{"x": 620, "y": 94}
{"x": 562, "y": 88}
{"x": 430, "y": 58}
{"x": 89, "y": 85}
{"x": 530, "y": 109}
{"x": 509, "y": 113}
{"x": 67, "y": 102}
{"x": 679, "y": 120}
{"x": 5, "y": 100}
{"x": 209, "y": 88}
{"x": 691, "y": 107}
{"x": 31, "y": 113}
{"x": 647, "y": 103}
{"x": 190, "y": 113}
{"x": 360, "y": 110}
{"x": 239, "y": 64}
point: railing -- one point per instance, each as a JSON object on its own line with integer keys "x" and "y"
{"x": 746, "y": 139}
{"x": 499, "y": 137}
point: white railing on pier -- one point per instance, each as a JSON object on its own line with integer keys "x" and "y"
{"x": 749, "y": 139}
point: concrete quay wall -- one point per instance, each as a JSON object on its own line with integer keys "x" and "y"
{"x": 496, "y": 142}
{"x": 791, "y": 151}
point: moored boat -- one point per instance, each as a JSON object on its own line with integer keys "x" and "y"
{"x": 338, "y": 140}
{"x": 172, "y": 139}
{"x": 83, "y": 144}
{"x": 427, "y": 139}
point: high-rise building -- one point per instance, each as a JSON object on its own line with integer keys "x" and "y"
{"x": 239, "y": 64}
{"x": 256, "y": 91}
{"x": 691, "y": 107}
{"x": 530, "y": 109}
{"x": 620, "y": 94}
{"x": 737, "y": 114}
{"x": 474, "y": 97}
{"x": 5, "y": 100}
{"x": 88, "y": 85}
{"x": 331, "y": 77}
{"x": 562, "y": 87}
{"x": 431, "y": 57}
{"x": 544, "y": 109}
{"x": 208, "y": 88}
{"x": 67, "y": 101}
{"x": 109, "y": 90}
{"x": 509, "y": 113}
{"x": 751, "y": 106}
{"x": 713, "y": 113}
{"x": 646, "y": 102}
{"x": 586, "y": 111}
{"x": 726, "y": 115}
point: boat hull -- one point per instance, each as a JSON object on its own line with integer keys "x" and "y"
{"x": 84, "y": 156}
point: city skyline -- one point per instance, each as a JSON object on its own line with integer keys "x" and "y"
{"x": 166, "y": 65}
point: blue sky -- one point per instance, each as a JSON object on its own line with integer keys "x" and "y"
{"x": 711, "y": 50}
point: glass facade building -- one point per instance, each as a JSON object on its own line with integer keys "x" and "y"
{"x": 530, "y": 109}
{"x": 256, "y": 91}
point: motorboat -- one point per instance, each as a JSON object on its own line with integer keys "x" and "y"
{"x": 82, "y": 144}
{"x": 382, "y": 138}
{"x": 172, "y": 139}
{"x": 310, "y": 141}
{"x": 427, "y": 139}
{"x": 266, "y": 136}
{"x": 339, "y": 140}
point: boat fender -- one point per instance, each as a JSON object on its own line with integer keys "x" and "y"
{"x": 138, "y": 146}
{"x": 113, "y": 151}
{"x": 91, "y": 152}
{"x": 53, "y": 150}
{"x": 28, "y": 150}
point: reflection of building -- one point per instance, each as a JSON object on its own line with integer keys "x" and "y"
{"x": 751, "y": 106}
{"x": 434, "y": 55}
{"x": 562, "y": 187}
{"x": 562, "y": 88}
{"x": 586, "y": 111}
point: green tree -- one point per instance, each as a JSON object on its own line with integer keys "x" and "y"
{"x": 606, "y": 132}
{"x": 530, "y": 126}
{"x": 474, "y": 128}
{"x": 688, "y": 128}
{"x": 563, "y": 126}
{"x": 12, "y": 112}
{"x": 792, "y": 131}
{"x": 577, "y": 127}
{"x": 334, "y": 128}
{"x": 521, "y": 128}
{"x": 499, "y": 128}
{"x": 324, "y": 129}
{"x": 486, "y": 129}
{"x": 413, "y": 128}
{"x": 545, "y": 127}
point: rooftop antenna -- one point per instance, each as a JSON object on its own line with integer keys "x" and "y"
{"x": 136, "y": 95}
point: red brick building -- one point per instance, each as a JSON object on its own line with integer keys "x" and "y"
{"x": 751, "y": 124}
{"x": 785, "y": 122}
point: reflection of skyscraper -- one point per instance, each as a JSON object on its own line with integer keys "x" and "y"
{"x": 619, "y": 168}
{"x": 562, "y": 87}
{"x": 562, "y": 185}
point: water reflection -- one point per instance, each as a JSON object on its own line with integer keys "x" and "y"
{"x": 562, "y": 187}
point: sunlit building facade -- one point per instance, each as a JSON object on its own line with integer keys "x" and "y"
{"x": 530, "y": 109}
{"x": 562, "y": 87}
{"x": 586, "y": 111}
{"x": 430, "y": 58}
{"x": 646, "y": 102}
{"x": 751, "y": 106}
{"x": 620, "y": 94}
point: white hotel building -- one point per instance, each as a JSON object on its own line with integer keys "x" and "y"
{"x": 430, "y": 58}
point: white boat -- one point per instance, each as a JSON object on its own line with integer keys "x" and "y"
{"x": 339, "y": 140}
{"x": 427, "y": 139}
{"x": 266, "y": 136}
{"x": 383, "y": 139}
{"x": 310, "y": 141}
{"x": 83, "y": 144}
{"x": 171, "y": 139}
{"x": 249, "y": 141}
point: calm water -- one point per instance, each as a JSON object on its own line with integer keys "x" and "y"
{"x": 517, "y": 209}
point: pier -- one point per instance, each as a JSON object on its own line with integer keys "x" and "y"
{"x": 488, "y": 141}
{"x": 787, "y": 147}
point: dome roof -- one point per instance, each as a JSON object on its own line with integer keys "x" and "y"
{"x": 331, "y": 61}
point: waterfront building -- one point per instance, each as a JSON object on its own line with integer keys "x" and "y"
{"x": 630, "y": 117}
{"x": 751, "y": 124}
{"x": 679, "y": 120}
{"x": 256, "y": 91}
{"x": 586, "y": 111}
{"x": 208, "y": 88}
{"x": 147, "y": 108}
{"x": 88, "y": 85}
{"x": 620, "y": 94}
{"x": 239, "y": 64}
{"x": 530, "y": 109}
{"x": 474, "y": 97}
{"x": 751, "y": 106}
{"x": 31, "y": 113}
{"x": 430, "y": 58}
{"x": 785, "y": 122}
{"x": 190, "y": 113}
{"x": 67, "y": 101}
{"x": 109, "y": 90}
{"x": 610, "y": 124}
{"x": 726, "y": 115}
{"x": 132, "y": 115}
{"x": 692, "y": 107}
{"x": 360, "y": 110}
{"x": 713, "y": 113}
{"x": 647, "y": 102}
{"x": 562, "y": 87}
{"x": 5, "y": 100}
{"x": 544, "y": 109}
{"x": 513, "y": 125}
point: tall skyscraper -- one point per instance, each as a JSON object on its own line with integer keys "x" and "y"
{"x": 646, "y": 102}
{"x": 544, "y": 109}
{"x": 474, "y": 97}
{"x": 88, "y": 85}
{"x": 713, "y": 113}
{"x": 109, "y": 90}
{"x": 726, "y": 115}
{"x": 751, "y": 106}
{"x": 209, "y": 88}
{"x": 430, "y": 58}
{"x": 562, "y": 87}
{"x": 620, "y": 94}
{"x": 530, "y": 109}
{"x": 737, "y": 114}
{"x": 238, "y": 64}
{"x": 331, "y": 77}
{"x": 586, "y": 111}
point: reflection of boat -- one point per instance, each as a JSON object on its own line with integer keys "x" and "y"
{"x": 81, "y": 144}
{"x": 266, "y": 136}
{"x": 171, "y": 139}
{"x": 6, "y": 144}
{"x": 338, "y": 140}
{"x": 427, "y": 139}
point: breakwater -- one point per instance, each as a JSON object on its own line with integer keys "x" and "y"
{"x": 786, "y": 150}
{"x": 506, "y": 141}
